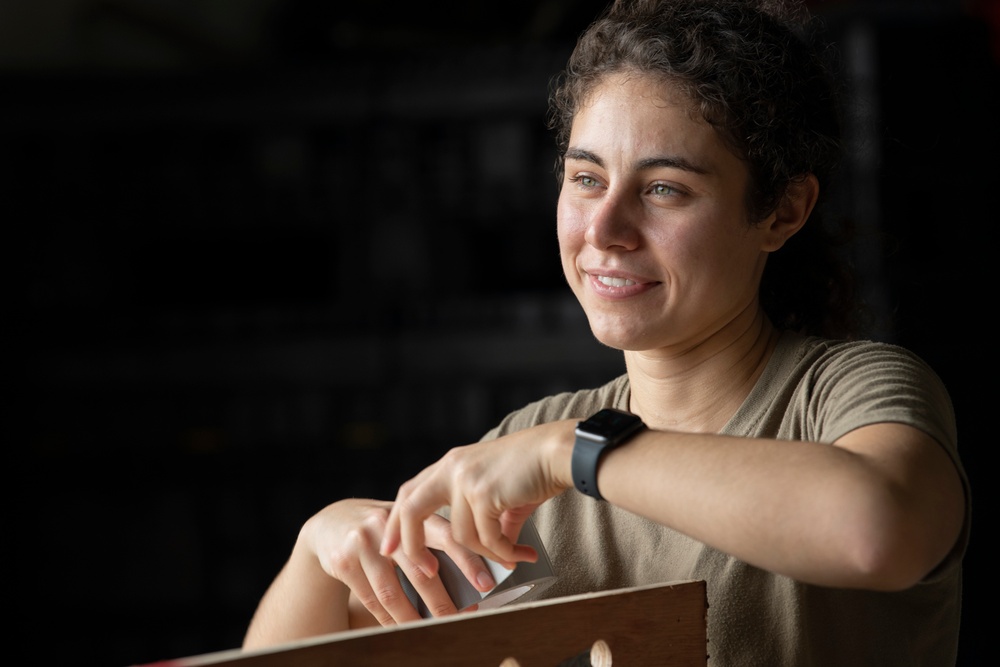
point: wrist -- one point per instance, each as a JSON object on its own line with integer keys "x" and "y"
{"x": 595, "y": 436}
{"x": 560, "y": 454}
{"x": 312, "y": 579}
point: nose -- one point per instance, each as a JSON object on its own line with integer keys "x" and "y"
{"x": 612, "y": 223}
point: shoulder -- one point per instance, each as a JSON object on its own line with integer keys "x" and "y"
{"x": 565, "y": 405}
{"x": 874, "y": 369}
{"x": 867, "y": 380}
{"x": 823, "y": 353}
{"x": 878, "y": 366}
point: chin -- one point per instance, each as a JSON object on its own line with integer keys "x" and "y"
{"x": 621, "y": 337}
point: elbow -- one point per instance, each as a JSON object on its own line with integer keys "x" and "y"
{"x": 880, "y": 565}
{"x": 900, "y": 514}
{"x": 893, "y": 554}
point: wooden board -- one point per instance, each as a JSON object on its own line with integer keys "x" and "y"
{"x": 662, "y": 624}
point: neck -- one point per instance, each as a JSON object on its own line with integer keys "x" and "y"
{"x": 699, "y": 388}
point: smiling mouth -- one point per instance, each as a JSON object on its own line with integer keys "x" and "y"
{"x": 615, "y": 282}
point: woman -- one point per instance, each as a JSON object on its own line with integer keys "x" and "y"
{"x": 813, "y": 483}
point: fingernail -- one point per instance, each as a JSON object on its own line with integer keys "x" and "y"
{"x": 429, "y": 568}
{"x": 485, "y": 581}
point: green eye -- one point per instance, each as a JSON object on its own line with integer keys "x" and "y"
{"x": 583, "y": 181}
{"x": 663, "y": 189}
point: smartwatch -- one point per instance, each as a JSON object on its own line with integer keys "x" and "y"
{"x": 602, "y": 431}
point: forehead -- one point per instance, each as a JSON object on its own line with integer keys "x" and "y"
{"x": 639, "y": 113}
{"x": 640, "y": 85}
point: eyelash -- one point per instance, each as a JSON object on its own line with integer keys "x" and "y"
{"x": 582, "y": 179}
{"x": 672, "y": 190}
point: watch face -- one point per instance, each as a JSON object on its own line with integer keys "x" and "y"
{"x": 610, "y": 423}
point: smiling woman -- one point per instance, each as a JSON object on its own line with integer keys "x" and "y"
{"x": 812, "y": 481}
{"x": 653, "y": 226}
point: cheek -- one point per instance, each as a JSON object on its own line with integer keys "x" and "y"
{"x": 565, "y": 226}
{"x": 570, "y": 235}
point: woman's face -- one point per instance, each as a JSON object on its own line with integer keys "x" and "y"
{"x": 653, "y": 230}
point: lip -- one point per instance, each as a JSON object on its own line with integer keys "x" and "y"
{"x": 638, "y": 285}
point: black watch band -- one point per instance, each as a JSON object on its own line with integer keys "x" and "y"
{"x": 595, "y": 435}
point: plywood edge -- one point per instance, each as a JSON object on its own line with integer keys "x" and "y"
{"x": 451, "y": 630}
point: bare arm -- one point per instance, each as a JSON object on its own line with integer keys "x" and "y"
{"x": 878, "y": 509}
{"x": 335, "y": 578}
{"x": 302, "y": 601}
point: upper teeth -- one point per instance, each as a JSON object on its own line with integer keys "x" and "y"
{"x": 615, "y": 282}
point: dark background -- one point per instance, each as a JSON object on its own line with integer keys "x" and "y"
{"x": 271, "y": 253}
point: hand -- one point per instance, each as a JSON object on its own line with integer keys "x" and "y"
{"x": 344, "y": 537}
{"x": 492, "y": 489}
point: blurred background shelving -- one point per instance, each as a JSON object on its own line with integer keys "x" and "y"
{"x": 273, "y": 253}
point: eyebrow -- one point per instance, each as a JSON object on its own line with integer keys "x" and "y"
{"x": 660, "y": 161}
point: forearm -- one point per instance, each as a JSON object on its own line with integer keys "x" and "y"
{"x": 303, "y": 601}
{"x": 878, "y": 509}
{"x": 819, "y": 513}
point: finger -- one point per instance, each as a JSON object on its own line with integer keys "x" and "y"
{"x": 413, "y": 508}
{"x": 441, "y": 534}
{"x": 431, "y": 589}
{"x": 390, "y": 537}
{"x": 512, "y": 520}
{"x": 392, "y": 533}
{"x": 470, "y": 530}
{"x": 491, "y": 535}
{"x": 384, "y": 595}
{"x": 492, "y": 538}
{"x": 464, "y": 531}
{"x": 347, "y": 563}
{"x": 365, "y": 594}
{"x": 511, "y": 523}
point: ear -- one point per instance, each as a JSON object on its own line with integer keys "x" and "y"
{"x": 792, "y": 212}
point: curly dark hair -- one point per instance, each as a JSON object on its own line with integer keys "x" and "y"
{"x": 754, "y": 73}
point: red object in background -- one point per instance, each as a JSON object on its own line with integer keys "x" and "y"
{"x": 989, "y": 11}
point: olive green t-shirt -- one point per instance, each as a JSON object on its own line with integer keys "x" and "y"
{"x": 811, "y": 390}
